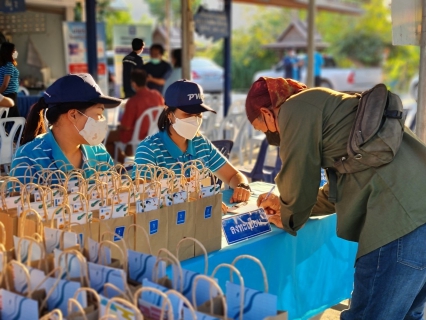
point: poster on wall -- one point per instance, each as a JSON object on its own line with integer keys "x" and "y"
{"x": 122, "y": 44}
{"x": 76, "y": 52}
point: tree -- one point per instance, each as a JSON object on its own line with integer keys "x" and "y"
{"x": 157, "y": 8}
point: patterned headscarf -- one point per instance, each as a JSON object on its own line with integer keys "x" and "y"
{"x": 266, "y": 92}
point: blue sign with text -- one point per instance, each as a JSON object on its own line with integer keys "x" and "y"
{"x": 9, "y": 6}
{"x": 181, "y": 217}
{"x": 119, "y": 233}
{"x": 245, "y": 226}
{"x": 208, "y": 212}
{"x": 153, "y": 226}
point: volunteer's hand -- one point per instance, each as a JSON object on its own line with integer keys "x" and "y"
{"x": 276, "y": 219}
{"x": 224, "y": 208}
{"x": 271, "y": 205}
{"x": 240, "y": 195}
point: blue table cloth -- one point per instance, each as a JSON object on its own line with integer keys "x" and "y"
{"x": 309, "y": 273}
{"x": 25, "y": 103}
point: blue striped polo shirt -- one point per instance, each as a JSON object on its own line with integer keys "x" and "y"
{"x": 44, "y": 152}
{"x": 160, "y": 150}
{"x": 10, "y": 70}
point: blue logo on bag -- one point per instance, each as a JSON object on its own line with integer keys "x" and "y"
{"x": 181, "y": 217}
{"x": 119, "y": 233}
{"x": 80, "y": 240}
{"x": 153, "y": 226}
{"x": 208, "y": 212}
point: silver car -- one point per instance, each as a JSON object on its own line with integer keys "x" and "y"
{"x": 207, "y": 74}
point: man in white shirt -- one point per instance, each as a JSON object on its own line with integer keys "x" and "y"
{"x": 5, "y": 101}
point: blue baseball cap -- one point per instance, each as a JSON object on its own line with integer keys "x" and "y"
{"x": 187, "y": 96}
{"x": 79, "y": 87}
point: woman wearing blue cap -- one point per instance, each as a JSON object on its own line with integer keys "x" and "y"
{"x": 179, "y": 139}
{"x": 74, "y": 106}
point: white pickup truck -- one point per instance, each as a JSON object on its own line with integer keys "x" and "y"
{"x": 351, "y": 79}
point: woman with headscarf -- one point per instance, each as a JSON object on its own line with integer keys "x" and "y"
{"x": 382, "y": 208}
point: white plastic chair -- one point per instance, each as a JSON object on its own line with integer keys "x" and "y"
{"x": 153, "y": 128}
{"x": 7, "y": 143}
{"x": 4, "y": 112}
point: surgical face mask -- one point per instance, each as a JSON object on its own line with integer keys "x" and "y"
{"x": 155, "y": 60}
{"x": 272, "y": 137}
{"x": 94, "y": 131}
{"x": 15, "y": 55}
{"x": 187, "y": 127}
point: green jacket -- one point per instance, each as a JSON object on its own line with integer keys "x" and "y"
{"x": 375, "y": 206}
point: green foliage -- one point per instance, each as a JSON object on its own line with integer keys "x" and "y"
{"x": 157, "y": 8}
{"x": 248, "y": 56}
{"x": 364, "y": 48}
{"x": 112, "y": 18}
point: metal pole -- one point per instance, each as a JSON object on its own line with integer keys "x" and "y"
{"x": 185, "y": 40}
{"x": 168, "y": 29}
{"x": 311, "y": 44}
{"x": 91, "y": 41}
{"x": 421, "y": 101}
{"x": 227, "y": 60}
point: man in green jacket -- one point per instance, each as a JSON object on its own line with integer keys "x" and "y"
{"x": 383, "y": 209}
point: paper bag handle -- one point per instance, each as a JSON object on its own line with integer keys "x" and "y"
{"x": 175, "y": 279}
{"x": 26, "y": 274}
{"x": 83, "y": 277}
{"x": 30, "y": 246}
{"x": 50, "y": 292}
{"x": 125, "y": 236}
{"x": 3, "y": 234}
{"x": 88, "y": 290}
{"x": 206, "y": 261}
{"x": 49, "y": 315}
{"x": 172, "y": 258}
{"x": 123, "y": 253}
{"x": 166, "y": 301}
{"x": 115, "y": 288}
{"x": 74, "y": 303}
{"x": 259, "y": 263}
{"x": 214, "y": 284}
{"x": 180, "y": 296}
{"x": 24, "y": 217}
{"x": 230, "y": 266}
{"x": 138, "y": 315}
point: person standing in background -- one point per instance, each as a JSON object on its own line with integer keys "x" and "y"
{"x": 9, "y": 75}
{"x": 176, "y": 59}
{"x": 143, "y": 100}
{"x": 291, "y": 65}
{"x": 157, "y": 69}
{"x": 130, "y": 62}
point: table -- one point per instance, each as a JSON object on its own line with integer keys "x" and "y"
{"x": 309, "y": 273}
{"x": 25, "y": 103}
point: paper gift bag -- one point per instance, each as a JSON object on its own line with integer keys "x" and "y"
{"x": 92, "y": 312}
{"x": 208, "y": 222}
{"x": 156, "y": 223}
{"x": 181, "y": 225}
{"x": 215, "y": 307}
{"x": 117, "y": 227}
{"x": 154, "y": 304}
{"x": 136, "y": 236}
{"x": 15, "y": 306}
{"x": 10, "y": 222}
{"x": 119, "y": 308}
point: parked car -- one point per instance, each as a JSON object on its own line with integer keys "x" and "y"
{"x": 414, "y": 87}
{"x": 349, "y": 79}
{"x": 207, "y": 74}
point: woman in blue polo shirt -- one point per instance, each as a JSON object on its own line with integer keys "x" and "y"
{"x": 9, "y": 75}
{"x": 74, "y": 106}
{"x": 179, "y": 140}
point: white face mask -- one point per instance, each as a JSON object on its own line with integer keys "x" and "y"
{"x": 94, "y": 131}
{"x": 15, "y": 55}
{"x": 188, "y": 127}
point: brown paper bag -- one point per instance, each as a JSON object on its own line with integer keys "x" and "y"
{"x": 156, "y": 224}
{"x": 181, "y": 225}
{"x": 208, "y": 223}
{"x": 117, "y": 226}
{"x": 10, "y": 222}
{"x": 93, "y": 305}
